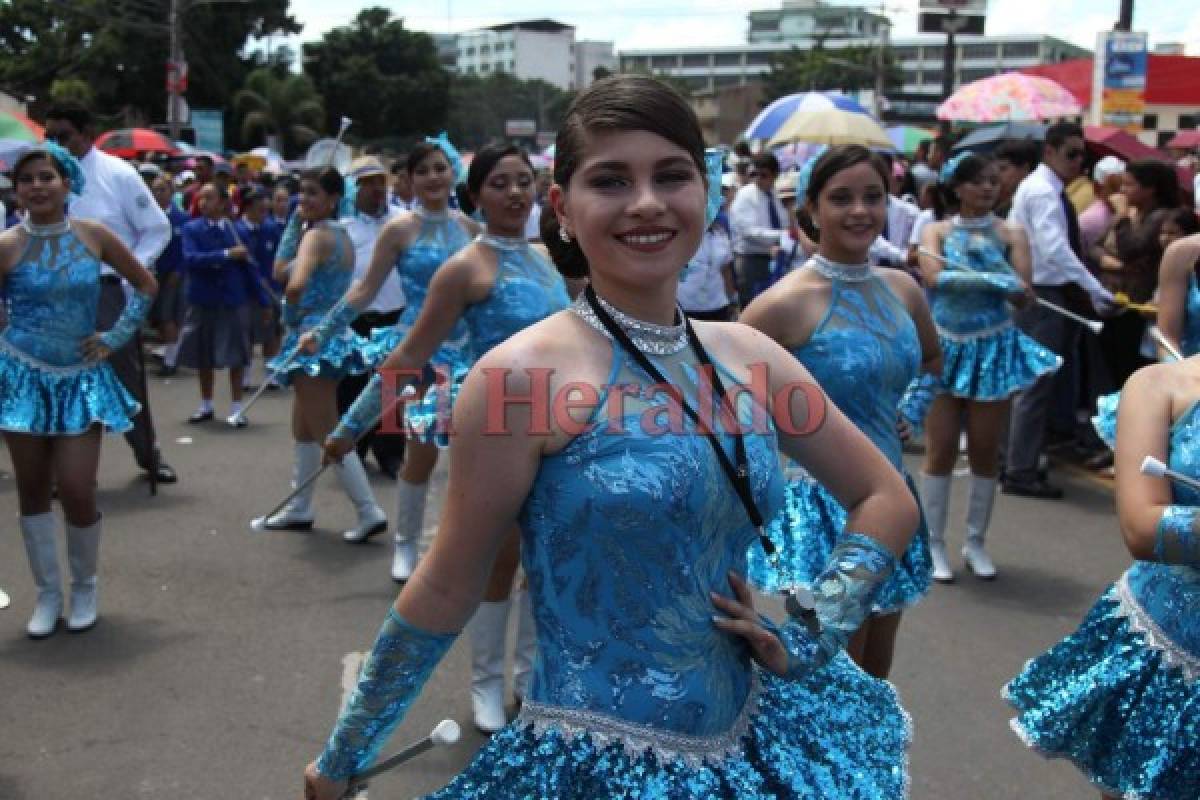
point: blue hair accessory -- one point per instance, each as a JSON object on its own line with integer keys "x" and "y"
{"x": 452, "y": 155}
{"x": 69, "y": 164}
{"x": 714, "y": 163}
{"x": 805, "y": 174}
{"x": 349, "y": 193}
{"x": 951, "y": 166}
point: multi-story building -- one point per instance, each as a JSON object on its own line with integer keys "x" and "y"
{"x": 591, "y": 56}
{"x": 809, "y": 19}
{"x": 539, "y": 49}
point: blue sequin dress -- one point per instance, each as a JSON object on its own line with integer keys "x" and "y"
{"x": 46, "y": 387}
{"x": 1120, "y": 697}
{"x": 527, "y": 289}
{"x": 635, "y": 693}
{"x": 864, "y": 353}
{"x": 441, "y": 235}
{"x": 339, "y": 355}
{"x": 984, "y": 357}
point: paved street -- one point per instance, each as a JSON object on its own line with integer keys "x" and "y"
{"x": 218, "y": 664}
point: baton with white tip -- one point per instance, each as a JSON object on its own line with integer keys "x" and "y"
{"x": 1095, "y": 326}
{"x": 1165, "y": 343}
{"x": 446, "y": 732}
{"x": 260, "y": 523}
{"x": 1153, "y": 467}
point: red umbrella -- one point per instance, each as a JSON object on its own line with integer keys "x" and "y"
{"x": 1185, "y": 140}
{"x": 1108, "y": 141}
{"x": 133, "y": 142}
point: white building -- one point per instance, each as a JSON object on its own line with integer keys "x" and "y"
{"x": 539, "y": 49}
{"x": 590, "y": 56}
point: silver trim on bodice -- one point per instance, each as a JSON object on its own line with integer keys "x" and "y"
{"x": 504, "y": 242}
{"x": 837, "y": 271}
{"x": 1141, "y": 622}
{"x": 649, "y": 337}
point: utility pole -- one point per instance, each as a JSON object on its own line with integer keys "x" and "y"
{"x": 881, "y": 67}
{"x": 175, "y": 60}
{"x": 952, "y": 24}
{"x": 1125, "y": 20}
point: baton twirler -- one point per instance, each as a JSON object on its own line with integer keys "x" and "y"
{"x": 1155, "y": 468}
{"x": 1093, "y": 325}
{"x": 446, "y": 732}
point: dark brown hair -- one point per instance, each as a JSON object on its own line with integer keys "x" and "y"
{"x": 836, "y": 159}
{"x": 617, "y": 103}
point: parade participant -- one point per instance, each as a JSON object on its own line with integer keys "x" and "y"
{"x": 707, "y": 288}
{"x": 401, "y": 195}
{"x": 317, "y": 279}
{"x": 203, "y": 166}
{"x": 1179, "y": 295}
{"x": 1015, "y": 159}
{"x": 371, "y": 213}
{"x": 171, "y": 305}
{"x": 891, "y": 248}
{"x": 221, "y": 285}
{"x": 760, "y": 224}
{"x": 57, "y": 390}
{"x": 281, "y": 204}
{"x": 633, "y": 536}
{"x": 1042, "y": 209}
{"x": 415, "y": 244}
{"x": 985, "y": 360}
{"x": 115, "y": 196}
{"x": 1118, "y": 696}
{"x": 499, "y": 284}
{"x": 864, "y": 333}
{"x": 256, "y": 229}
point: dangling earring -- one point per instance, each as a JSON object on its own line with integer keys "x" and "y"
{"x": 562, "y": 234}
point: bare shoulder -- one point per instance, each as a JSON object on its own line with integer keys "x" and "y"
{"x": 1181, "y": 255}
{"x": 12, "y": 242}
{"x": 902, "y": 284}
{"x": 93, "y": 234}
{"x": 1010, "y": 232}
{"x": 1150, "y": 384}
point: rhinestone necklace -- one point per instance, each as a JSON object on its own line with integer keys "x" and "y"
{"x": 656, "y": 340}
{"x": 837, "y": 271}
{"x": 45, "y": 231}
{"x": 988, "y": 220}
{"x": 504, "y": 242}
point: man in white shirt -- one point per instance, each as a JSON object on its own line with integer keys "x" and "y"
{"x": 1041, "y": 207}
{"x": 891, "y": 247}
{"x": 402, "y": 196}
{"x": 760, "y": 222}
{"x": 115, "y": 195}
{"x": 372, "y": 211}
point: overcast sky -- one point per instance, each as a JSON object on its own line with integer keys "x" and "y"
{"x": 638, "y": 24}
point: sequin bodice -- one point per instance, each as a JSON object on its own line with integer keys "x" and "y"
{"x": 625, "y": 533}
{"x": 1191, "y": 318}
{"x": 440, "y": 236}
{"x": 527, "y": 289}
{"x": 958, "y": 312}
{"x": 1170, "y": 595}
{"x": 330, "y": 280}
{"x": 53, "y": 292}
{"x": 864, "y": 353}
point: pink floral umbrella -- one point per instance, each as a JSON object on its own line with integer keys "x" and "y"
{"x": 1011, "y": 96}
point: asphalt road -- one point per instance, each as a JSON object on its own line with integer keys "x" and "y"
{"x": 218, "y": 665}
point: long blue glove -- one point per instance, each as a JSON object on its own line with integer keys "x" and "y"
{"x": 920, "y": 394}
{"x": 367, "y": 409}
{"x": 842, "y": 597}
{"x": 334, "y": 322}
{"x": 1177, "y": 540}
{"x": 289, "y": 242}
{"x": 402, "y": 660}
{"x": 954, "y": 280}
{"x": 129, "y": 323}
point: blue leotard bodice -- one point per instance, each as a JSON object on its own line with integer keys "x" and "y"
{"x": 625, "y": 533}
{"x": 329, "y": 281}
{"x": 53, "y": 292}
{"x": 864, "y": 353}
{"x": 527, "y": 289}
{"x": 968, "y": 312}
{"x": 1170, "y": 594}
{"x": 440, "y": 236}
{"x": 1191, "y": 318}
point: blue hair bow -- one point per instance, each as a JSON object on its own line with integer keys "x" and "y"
{"x": 951, "y": 166}
{"x": 714, "y": 162}
{"x": 69, "y": 164}
{"x": 804, "y": 176}
{"x": 442, "y": 140}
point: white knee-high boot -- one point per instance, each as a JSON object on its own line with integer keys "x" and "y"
{"x": 410, "y": 521}
{"x": 371, "y": 519}
{"x": 298, "y": 514}
{"x": 83, "y": 552}
{"x": 38, "y": 531}
{"x": 935, "y": 499}
{"x": 981, "y": 497}
{"x": 526, "y": 646}
{"x": 487, "y": 629}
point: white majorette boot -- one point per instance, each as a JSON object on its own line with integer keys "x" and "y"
{"x": 487, "y": 629}
{"x": 935, "y": 499}
{"x": 38, "y": 531}
{"x": 980, "y": 497}
{"x": 83, "y": 550}
{"x": 526, "y": 646}
{"x": 371, "y": 519}
{"x": 410, "y": 522}
{"x": 298, "y": 515}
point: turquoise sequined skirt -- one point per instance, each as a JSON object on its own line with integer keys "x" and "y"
{"x": 1114, "y": 699}
{"x": 1105, "y": 420}
{"x": 47, "y": 400}
{"x": 340, "y": 356}
{"x": 993, "y": 366}
{"x": 805, "y": 533}
{"x": 454, "y": 354}
{"x": 838, "y": 734}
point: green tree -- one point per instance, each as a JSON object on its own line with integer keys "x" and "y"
{"x": 480, "y": 105}
{"x": 823, "y": 69}
{"x": 119, "y": 49}
{"x": 381, "y": 75}
{"x": 283, "y": 106}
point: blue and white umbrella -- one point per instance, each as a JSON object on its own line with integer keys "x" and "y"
{"x": 771, "y": 118}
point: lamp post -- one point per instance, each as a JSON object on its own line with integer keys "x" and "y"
{"x": 177, "y": 71}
